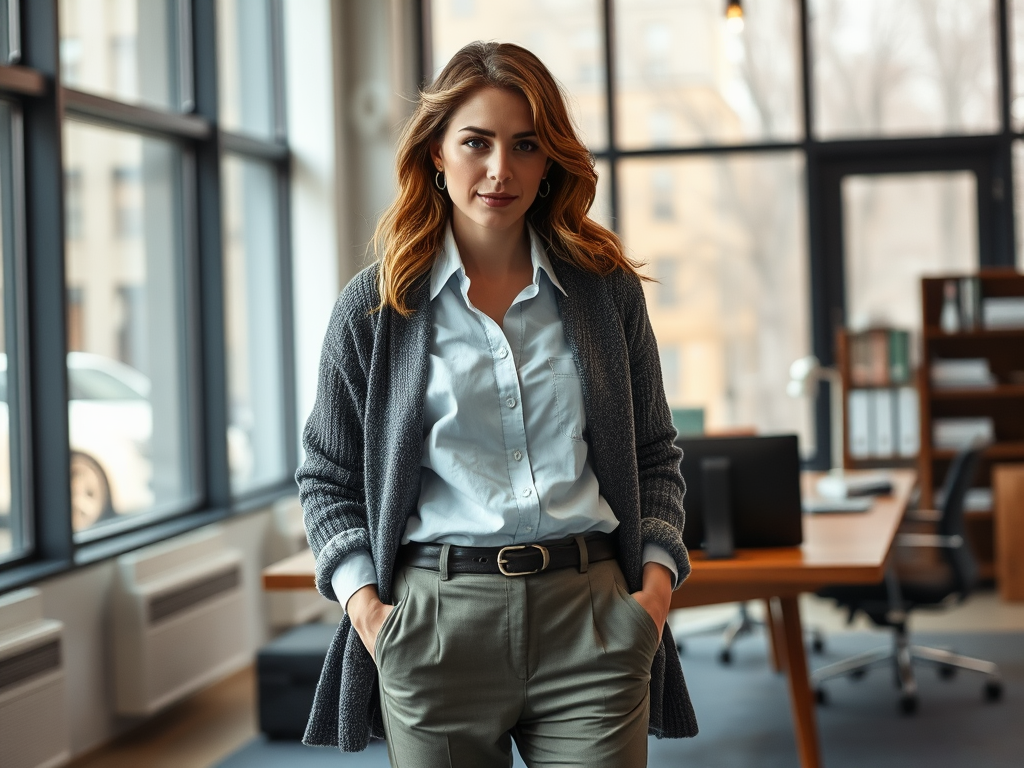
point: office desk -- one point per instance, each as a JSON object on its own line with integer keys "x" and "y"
{"x": 837, "y": 549}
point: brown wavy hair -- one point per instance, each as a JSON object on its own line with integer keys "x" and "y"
{"x": 411, "y": 231}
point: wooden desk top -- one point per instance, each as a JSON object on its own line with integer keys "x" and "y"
{"x": 838, "y": 548}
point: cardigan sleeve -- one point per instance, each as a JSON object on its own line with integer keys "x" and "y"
{"x": 658, "y": 458}
{"x": 331, "y": 476}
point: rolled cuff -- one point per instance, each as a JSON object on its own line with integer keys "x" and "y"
{"x": 352, "y": 574}
{"x": 654, "y": 553}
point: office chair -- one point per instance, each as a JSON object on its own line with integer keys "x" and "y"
{"x": 889, "y": 603}
{"x": 739, "y": 626}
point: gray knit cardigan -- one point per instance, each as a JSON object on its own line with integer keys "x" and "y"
{"x": 361, "y": 477}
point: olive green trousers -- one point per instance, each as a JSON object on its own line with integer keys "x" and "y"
{"x": 559, "y": 661}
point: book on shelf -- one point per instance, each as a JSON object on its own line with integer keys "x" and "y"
{"x": 879, "y": 357}
{"x": 908, "y": 425}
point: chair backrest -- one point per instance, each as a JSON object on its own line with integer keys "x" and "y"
{"x": 958, "y": 481}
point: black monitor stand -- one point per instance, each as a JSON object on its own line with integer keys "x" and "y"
{"x": 718, "y": 540}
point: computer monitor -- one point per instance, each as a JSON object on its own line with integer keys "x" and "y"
{"x": 742, "y": 492}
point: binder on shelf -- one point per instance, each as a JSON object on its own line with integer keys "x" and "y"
{"x": 879, "y": 357}
{"x": 859, "y": 423}
{"x": 882, "y": 444}
{"x": 908, "y": 425}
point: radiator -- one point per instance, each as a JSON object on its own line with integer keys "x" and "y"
{"x": 178, "y": 620}
{"x": 287, "y": 536}
{"x": 33, "y": 710}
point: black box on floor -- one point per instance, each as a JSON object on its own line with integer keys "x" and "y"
{"x": 287, "y": 671}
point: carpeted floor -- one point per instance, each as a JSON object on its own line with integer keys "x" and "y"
{"x": 745, "y": 720}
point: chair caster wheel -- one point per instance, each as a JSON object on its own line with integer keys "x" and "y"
{"x": 908, "y": 704}
{"x": 725, "y": 656}
{"x": 993, "y": 690}
{"x": 947, "y": 671}
{"x": 820, "y": 697}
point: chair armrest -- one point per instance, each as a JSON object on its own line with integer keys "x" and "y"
{"x": 923, "y": 516}
{"x": 932, "y": 540}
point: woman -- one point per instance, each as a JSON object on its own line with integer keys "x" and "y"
{"x": 491, "y": 487}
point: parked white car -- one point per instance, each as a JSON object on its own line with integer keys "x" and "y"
{"x": 110, "y": 422}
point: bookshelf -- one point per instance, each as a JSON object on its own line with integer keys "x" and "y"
{"x": 846, "y": 342}
{"x": 1001, "y": 400}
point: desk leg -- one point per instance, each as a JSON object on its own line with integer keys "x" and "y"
{"x": 801, "y": 699}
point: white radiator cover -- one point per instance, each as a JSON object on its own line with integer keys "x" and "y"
{"x": 178, "y": 620}
{"x": 33, "y": 707}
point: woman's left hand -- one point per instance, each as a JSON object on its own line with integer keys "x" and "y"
{"x": 656, "y": 595}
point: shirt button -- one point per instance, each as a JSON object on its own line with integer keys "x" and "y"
{"x": 527, "y": 491}
{"x": 517, "y": 455}
{"x": 511, "y": 402}
{"x": 529, "y": 528}
{"x": 503, "y": 352}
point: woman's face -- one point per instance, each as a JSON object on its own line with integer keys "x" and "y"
{"x": 491, "y": 160}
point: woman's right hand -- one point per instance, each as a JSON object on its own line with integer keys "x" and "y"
{"x": 367, "y": 613}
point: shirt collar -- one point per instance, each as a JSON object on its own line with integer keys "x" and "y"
{"x": 449, "y": 262}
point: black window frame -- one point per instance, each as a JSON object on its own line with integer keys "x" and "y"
{"x": 31, "y": 82}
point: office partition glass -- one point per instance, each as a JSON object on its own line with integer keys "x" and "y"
{"x": 129, "y": 50}
{"x": 724, "y": 236}
{"x": 685, "y": 77}
{"x": 898, "y": 228}
{"x": 565, "y": 35}
{"x": 129, "y": 386}
{"x": 252, "y": 303}
{"x": 244, "y": 67}
{"x": 905, "y": 68}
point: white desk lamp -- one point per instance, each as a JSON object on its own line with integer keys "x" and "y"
{"x": 804, "y": 375}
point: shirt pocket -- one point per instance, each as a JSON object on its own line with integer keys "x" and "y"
{"x": 568, "y": 389}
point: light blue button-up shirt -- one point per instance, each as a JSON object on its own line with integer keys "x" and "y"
{"x": 504, "y": 451}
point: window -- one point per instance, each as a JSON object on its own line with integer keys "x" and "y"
{"x": 129, "y": 408}
{"x": 15, "y": 528}
{"x": 246, "y": 77}
{"x": 128, "y": 436}
{"x": 884, "y": 68}
{"x": 101, "y": 50}
{"x": 255, "y": 339}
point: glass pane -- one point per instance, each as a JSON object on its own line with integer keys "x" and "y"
{"x": 908, "y": 68}
{"x": 601, "y": 210}
{"x": 244, "y": 66}
{"x": 684, "y": 77}
{"x": 1017, "y": 64}
{"x": 897, "y": 228}
{"x": 14, "y": 538}
{"x": 10, "y": 34}
{"x": 121, "y": 49}
{"x": 724, "y": 237}
{"x": 256, "y": 439}
{"x": 565, "y": 35}
{"x": 127, "y": 377}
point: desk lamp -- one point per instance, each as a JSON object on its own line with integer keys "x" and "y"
{"x": 804, "y": 375}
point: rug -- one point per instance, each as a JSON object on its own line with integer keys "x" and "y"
{"x": 744, "y": 716}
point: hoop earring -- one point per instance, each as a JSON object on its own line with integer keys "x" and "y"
{"x": 440, "y": 181}
{"x": 547, "y": 191}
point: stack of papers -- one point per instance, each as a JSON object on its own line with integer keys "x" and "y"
{"x": 1003, "y": 312}
{"x": 962, "y": 373}
{"x": 963, "y": 432}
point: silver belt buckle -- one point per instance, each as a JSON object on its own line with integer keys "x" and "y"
{"x": 502, "y": 562}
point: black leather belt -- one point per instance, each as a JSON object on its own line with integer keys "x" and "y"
{"x": 515, "y": 560}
